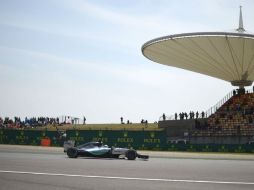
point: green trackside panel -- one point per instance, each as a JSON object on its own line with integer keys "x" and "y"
{"x": 14, "y": 136}
{"x": 129, "y": 139}
{"x": 211, "y": 148}
{"x": 232, "y": 148}
{"x": 110, "y": 138}
{"x": 239, "y": 148}
{"x": 208, "y": 148}
{"x": 250, "y": 148}
{"x": 27, "y": 137}
{"x": 154, "y": 140}
{"x": 19, "y": 137}
{"x": 182, "y": 147}
{"x": 4, "y": 137}
{"x": 51, "y": 134}
{"x": 82, "y": 136}
{"x": 145, "y": 140}
{"x": 177, "y": 147}
{"x": 107, "y": 137}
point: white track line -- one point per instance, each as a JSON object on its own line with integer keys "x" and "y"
{"x": 131, "y": 178}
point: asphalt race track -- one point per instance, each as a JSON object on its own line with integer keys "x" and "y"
{"x": 38, "y": 168}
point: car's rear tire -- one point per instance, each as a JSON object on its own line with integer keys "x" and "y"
{"x": 72, "y": 153}
{"x": 131, "y": 154}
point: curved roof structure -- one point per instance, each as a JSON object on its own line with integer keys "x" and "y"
{"x": 225, "y": 55}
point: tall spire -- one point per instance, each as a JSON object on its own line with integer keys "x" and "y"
{"x": 240, "y": 28}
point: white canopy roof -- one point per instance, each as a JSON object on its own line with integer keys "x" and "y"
{"x": 225, "y": 55}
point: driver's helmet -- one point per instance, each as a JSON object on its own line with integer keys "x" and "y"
{"x": 100, "y": 143}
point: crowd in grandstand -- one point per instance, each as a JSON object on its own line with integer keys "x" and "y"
{"x": 27, "y": 122}
{"x": 234, "y": 117}
{"x": 16, "y": 122}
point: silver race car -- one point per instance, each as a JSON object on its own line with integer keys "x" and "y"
{"x": 98, "y": 149}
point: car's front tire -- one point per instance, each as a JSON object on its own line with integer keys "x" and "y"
{"x": 72, "y": 153}
{"x": 131, "y": 154}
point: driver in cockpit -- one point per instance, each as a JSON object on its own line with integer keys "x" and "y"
{"x": 100, "y": 143}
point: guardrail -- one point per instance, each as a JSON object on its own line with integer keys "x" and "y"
{"x": 214, "y": 108}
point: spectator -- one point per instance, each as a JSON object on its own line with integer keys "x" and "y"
{"x": 197, "y": 114}
{"x": 164, "y": 117}
{"x": 182, "y": 115}
{"x": 175, "y": 116}
{"x": 84, "y": 120}
{"x": 203, "y": 114}
{"x": 186, "y": 115}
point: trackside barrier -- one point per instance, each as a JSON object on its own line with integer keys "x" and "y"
{"x": 29, "y": 137}
{"x": 141, "y": 140}
{"x": 245, "y": 148}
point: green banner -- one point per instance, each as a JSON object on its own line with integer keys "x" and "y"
{"x": 28, "y": 137}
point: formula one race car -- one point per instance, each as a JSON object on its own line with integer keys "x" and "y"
{"x": 98, "y": 149}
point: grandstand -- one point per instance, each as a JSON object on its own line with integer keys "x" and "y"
{"x": 230, "y": 123}
{"x": 233, "y": 119}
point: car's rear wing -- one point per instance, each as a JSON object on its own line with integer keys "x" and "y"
{"x": 68, "y": 144}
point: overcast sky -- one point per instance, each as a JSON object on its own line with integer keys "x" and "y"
{"x": 83, "y": 57}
